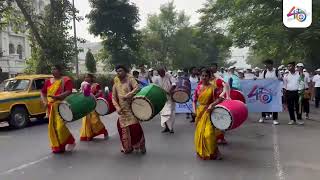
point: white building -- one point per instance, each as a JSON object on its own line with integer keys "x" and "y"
{"x": 15, "y": 47}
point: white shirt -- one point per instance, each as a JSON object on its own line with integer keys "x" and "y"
{"x": 166, "y": 82}
{"x": 316, "y": 80}
{"x": 307, "y": 79}
{"x": 291, "y": 81}
{"x": 249, "y": 76}
{"x": 194, "y": 79}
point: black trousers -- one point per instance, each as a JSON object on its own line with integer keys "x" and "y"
{"x": 317, "y": 96}
{"x": 292, "y": 98}
{"x": 306, "y": 105}
{"x": 274, "y": 115}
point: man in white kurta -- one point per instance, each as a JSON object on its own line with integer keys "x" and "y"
{"x": 167, "y": 82}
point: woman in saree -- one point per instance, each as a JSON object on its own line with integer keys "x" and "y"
{"x": 221, "y": 89}
{"x": 55, "y": 90}
{"x": 205, "y": 138}
{"x": 130, "y": 131}
{"x": 91, "y": 124}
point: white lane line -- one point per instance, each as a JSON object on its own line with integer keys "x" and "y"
{"x": 276, "y": 155}
{"x": 24, "y": 166}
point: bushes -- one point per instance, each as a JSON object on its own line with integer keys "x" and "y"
{"x": 103, "y": 80}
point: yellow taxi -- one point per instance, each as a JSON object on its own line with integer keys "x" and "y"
{"x": 20, "y": 99}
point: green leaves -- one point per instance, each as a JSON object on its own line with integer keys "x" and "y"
{"x": 90, "y": 62}
{"x": 258, "y": 24}
{"x": 115, "y": 21}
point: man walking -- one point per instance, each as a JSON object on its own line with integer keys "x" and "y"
{"x": 270, "y": 73}
{"x": 316, "y": 83}
{"x": 293, "y": 84}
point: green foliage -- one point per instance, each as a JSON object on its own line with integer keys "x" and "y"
{"x": 169, "y": 40}
{"x": 258, "y": 24}
{"x": 51, "y": 42}
{"x": 90, "y": 62}
{"x": 115, "y": 21}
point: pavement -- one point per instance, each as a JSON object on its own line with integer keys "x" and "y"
{"x": 255, "y": 152}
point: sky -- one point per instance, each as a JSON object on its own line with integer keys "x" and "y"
{"x": 147, "y": 7}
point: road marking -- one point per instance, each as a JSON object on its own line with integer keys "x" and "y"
{"x": 24, "y": 166}
{"x": 276, "y": 155}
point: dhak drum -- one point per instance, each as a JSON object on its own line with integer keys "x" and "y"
{"x": 104, "y": 106}
{"x": 76, "y": 106}
{"x": 148, "y": 102}
{"x": 237, "y": 95}
{"x": 182, "y": 92}
{"x": 229, "y": 114}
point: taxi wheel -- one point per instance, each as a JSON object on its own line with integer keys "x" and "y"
{"x": 19, "y": 117}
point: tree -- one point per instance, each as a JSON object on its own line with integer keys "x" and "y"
{"x": 161, "y": 29}
{"x": 90, "y": 62}
{"x": 51, "y": 43}
{"x": 258, "y": 24}
{"x": 169, "y": 39}
{"x": 115, "y": 21}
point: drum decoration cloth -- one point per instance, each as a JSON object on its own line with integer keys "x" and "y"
{"x": 237, "y": 95}
{"x": 76, "y": 106}
{"x": 148, "y": 102}
{"x": 182, "y": 92}
{"x": 229, "y": 114}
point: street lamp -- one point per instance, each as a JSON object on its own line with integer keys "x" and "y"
{"x": 75, "y": 39}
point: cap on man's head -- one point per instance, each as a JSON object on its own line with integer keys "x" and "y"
{"x": 232, "y": 67}
{"x": 299, "y": 65}
{"x": 151, "y": 69}
{"x": 318, "y": 70}
{"x": 180, "y": 71}
{"x": 281, "y": 67}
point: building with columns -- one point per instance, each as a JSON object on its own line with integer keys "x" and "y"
{"x": 15, "y": 47}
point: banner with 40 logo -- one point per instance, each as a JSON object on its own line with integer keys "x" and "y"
{"x": 263, "y": 95}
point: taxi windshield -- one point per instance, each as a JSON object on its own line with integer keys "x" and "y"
{"x": 16, "y": 85}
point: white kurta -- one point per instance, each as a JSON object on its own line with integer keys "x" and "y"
{"x": 168, "y": 112}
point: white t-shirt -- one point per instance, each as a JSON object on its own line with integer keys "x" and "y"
{"x": 269, "y": 74}
{"x": 291, "y": 81}
{"x": 316, "y": 80}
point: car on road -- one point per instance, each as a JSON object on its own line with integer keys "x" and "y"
{"x": 20, "y": 100}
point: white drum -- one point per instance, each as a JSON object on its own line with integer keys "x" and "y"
{"x": 221, "y": 118}
{"x": 102, "y": 107}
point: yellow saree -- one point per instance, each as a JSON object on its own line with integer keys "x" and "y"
{"x": 59, "y": 134}
{"x": 205, "y": 138}
{"x": 92, "y": 127}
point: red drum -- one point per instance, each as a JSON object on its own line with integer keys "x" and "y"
{"x": 229, "y": 114}
{"x": 105, "y": 106}
{"x": 182, "y": 92}
{"x": 237, "y": 95}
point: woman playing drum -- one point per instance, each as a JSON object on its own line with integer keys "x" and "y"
{"x": 205, "y": 139}
{"x": 91, "y": 124}
{"x": 55, "y": 90}
{"x": 129, "y": 128}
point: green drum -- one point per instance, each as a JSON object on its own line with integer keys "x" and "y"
{"x": 148, "y": 102}
{"x": 76, "y": 106}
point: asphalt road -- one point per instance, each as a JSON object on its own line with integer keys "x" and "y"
{"x": 255, "y": 152}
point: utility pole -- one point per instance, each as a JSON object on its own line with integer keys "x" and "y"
{"x": 75, "y": 39}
